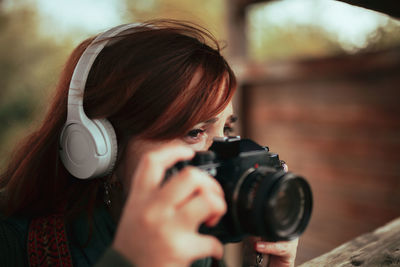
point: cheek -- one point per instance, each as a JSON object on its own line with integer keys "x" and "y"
{"x": 202, "y": 145}
{"x": 133, "y": 154}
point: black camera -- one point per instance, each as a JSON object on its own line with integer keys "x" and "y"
{"x": 263, "y": 200}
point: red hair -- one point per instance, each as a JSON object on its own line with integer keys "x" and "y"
{"x": 140, "y": 82}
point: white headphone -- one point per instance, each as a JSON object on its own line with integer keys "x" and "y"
{"x": 88, "y": 148}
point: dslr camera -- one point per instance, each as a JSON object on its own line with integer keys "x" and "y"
{"x": 262, "y": 198}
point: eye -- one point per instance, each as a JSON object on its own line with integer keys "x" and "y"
{"x": 228, "y": 130}
{"x": 234, "y": 119}
{"x": 194, "y": 135}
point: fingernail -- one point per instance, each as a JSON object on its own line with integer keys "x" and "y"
{"x": 260, "y": 246}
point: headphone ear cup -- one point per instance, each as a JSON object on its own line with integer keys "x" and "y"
{"x": 88, "y": 150}
{"x": 111, "y": 141}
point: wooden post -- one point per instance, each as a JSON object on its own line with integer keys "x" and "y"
{"x": 237, "y": 54}
{"x": 237, "y": 40}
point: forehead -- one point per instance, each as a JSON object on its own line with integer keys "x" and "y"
{"x": 216, "y": 94}
{"x": 228, "y": 111}
{"x": 221, "y": 117}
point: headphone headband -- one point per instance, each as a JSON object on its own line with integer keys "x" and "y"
{"x": 82, "y": 69}
{"x": 88, "y": 148}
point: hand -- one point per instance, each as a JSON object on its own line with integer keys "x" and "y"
{"x": 282, "y": 254}
{"x": 159, "y": 224}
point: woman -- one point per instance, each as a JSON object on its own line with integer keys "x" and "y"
{"x": 166, "y": 91}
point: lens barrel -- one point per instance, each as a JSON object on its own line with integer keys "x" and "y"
{"x": 273, "y": 204}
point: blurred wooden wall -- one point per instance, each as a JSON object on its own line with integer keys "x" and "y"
{"x": 335, "y": 121}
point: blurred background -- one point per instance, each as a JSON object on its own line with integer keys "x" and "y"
{"x": 318, "y": 83}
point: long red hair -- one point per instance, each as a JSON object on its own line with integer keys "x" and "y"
{"x": 140, "y": 82}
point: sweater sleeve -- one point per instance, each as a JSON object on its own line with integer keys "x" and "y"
{"x": 12, "y": 245}
{"x": 112, "y": 257}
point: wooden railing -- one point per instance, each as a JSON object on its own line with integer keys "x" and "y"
{"x": 379, "y": 248}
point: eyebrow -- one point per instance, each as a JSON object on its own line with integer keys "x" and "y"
{"x": 232, "y": 118}
{"x": 212, "y": 120}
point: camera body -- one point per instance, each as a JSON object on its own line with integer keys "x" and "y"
{"x": 262, "y": 199}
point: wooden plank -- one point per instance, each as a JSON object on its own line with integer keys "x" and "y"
{"x": 379, "y": 248}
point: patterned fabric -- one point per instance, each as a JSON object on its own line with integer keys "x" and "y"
{"x": 47, "y": 242}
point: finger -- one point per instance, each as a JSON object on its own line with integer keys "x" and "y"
{"x": 153, "y": 165}
{"x": 188, "y": 182}
{"x": 284, "y": 166}
{"x": 283, "y": 249}
{"x": 207, "y": 207}
{"x": 207, "y": 246}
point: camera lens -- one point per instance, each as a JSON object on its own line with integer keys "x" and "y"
{"x": 288, "y": 207}
{"x": 285, "y": 207}
{"x": 273, "y": 204}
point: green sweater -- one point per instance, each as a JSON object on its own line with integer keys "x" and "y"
{"x": 86, "y": 249}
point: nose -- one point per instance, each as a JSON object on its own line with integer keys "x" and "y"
{"x": 218, "y": 133}
{"x": 209, "y": 143}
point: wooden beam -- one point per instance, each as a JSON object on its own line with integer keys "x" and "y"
{"x": 389, "y": 7}
{"x": 380, "y": 248}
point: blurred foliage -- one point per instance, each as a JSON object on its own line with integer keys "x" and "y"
{"x": 29, "y": 66}
{"x": 290, "y": 42}
{"x": 207, "y": 13}
{"x": 306, "y": 41}
{"x": 302, "y": 38}
{"x": 384, "y": 37}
